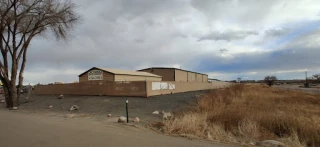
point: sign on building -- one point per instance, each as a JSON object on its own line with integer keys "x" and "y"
{"x": 156, "y": 86}
{"x": 95, "y": 75}
{"x": 172, "y": 86}
{"x": 163, "y": 85}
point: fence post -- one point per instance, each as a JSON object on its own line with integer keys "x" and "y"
{"x": 127, "y": 110}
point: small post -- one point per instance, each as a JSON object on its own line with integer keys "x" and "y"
{"x": 127, "y": 111}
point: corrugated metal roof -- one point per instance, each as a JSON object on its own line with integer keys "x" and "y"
{"x": 124, "y": 72}
{"x": 129, "y": 72}
{"x": 172, "y": 68}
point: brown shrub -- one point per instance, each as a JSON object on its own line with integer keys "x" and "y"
{"x": 254, "y": 112}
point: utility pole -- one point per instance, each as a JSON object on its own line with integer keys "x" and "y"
{"x": 306, "y": 84}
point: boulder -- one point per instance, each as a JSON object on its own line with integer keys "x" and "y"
{"x": 270, "y": 143}
{"x": 136, "y": 120}
{"x": 61, "y": 96}
{"x": 50, "y": 107}
{"x": 122, "y": 119}
{"x": 74, "y": 107}
{"x": 109, "y": 115}
{"x": 70, "y": 115}
{"x": 155, "y": 112}
{"x": 166, "y": 115}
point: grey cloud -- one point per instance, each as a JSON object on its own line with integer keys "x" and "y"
{"x": 295, "y": 55}
{"x": 276, "y": 32}
{"x": 223, "y": 50}
{"x": 228, "y": 35}
{"x": 109, "y": 38}
{"x": 138, "y": 40}
{"x": 241, "y": 12}
{"x": 133, "y": 34}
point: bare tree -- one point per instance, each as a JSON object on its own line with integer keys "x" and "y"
{"x": 20, "y": 22}
{"x": 270, "y": 80}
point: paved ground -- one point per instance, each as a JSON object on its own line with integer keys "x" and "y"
{"x": 313, "y": 90}
{"x": 34, "y": 130}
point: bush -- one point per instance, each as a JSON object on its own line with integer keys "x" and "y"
{"x": 269, "y": 80}
{"x": 254, "y": 112}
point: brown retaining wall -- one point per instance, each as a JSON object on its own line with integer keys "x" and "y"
{"x": 141, "y": 88}
{"x": 101, "y": 88}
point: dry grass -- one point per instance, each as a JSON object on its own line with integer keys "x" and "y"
{"x": 244, "y": 113}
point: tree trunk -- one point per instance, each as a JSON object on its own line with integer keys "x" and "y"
{"x": 6, "y": 95}
{"x": 13, "y": 85}
{"x": 13, "y": 97}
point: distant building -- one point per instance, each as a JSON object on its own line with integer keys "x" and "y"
{"x": 178, "y": 75}
{"x": 116, "y": 75}
{"x": 211, "y": 80}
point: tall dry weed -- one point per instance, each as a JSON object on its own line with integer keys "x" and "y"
{"x": 254, "y": 112}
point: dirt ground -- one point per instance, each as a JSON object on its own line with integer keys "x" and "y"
{"x": 98, "y": 107}
{"x": 34, "y": 130}
{"x": 36, "y": 125}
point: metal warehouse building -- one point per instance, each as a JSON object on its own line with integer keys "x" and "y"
{"x": 115, "y": 75}
{"x": 175, "y": 74}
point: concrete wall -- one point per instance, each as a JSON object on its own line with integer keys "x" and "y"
{"x": 106, "y": 77}
{"x": 180, "y": 76}
{"x": 136, "y": 78}
{"x": 95, "y": 88}
{"x": 184, "y": 87}
{"x": 167, "y": 74}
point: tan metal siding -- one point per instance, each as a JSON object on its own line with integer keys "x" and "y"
{"x": 167, "y": 74}
{"x": 199, "y": 77}
{"x": 135, "y": 78}
{"x": 181, "y": 76}
{"x": 191, "y": 77}
{"x": 205, "y": 78}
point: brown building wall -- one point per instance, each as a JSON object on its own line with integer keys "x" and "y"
{"x": 185, "y": 87}
{"x": 191, "y": 77}
{"x": 106, "y": 77}
{"x": 83, "y": 78}
{"x": 180, "y": 76}
{"x": 135, "y": 78}
{"x": 167, "y": 74}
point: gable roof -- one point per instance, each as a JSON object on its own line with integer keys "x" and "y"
{"x": 171, "y": 68}
{"x": 124, "y": 72}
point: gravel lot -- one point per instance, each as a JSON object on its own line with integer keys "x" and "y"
{"x": 98, "y": 107}
{"x": 313, "y": 90}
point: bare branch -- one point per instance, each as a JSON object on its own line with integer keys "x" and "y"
{"x": 20, "y": 22}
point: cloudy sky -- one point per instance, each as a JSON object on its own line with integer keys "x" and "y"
{"x": 225, "y": 39}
